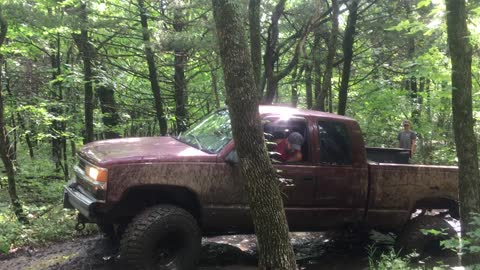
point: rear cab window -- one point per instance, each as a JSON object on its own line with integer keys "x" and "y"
{"x": 334, "y": 143}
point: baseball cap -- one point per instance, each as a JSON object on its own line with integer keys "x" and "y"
{"x": 296, "y": 140}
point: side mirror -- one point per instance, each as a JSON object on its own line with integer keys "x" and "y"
{"x": 232, "y": 158}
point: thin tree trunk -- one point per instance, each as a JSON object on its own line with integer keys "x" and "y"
{"x": 110, "y": 117}
{"x": 5, "y": 147}
{"x": 255, "y": 41}
{"x": 55, "y": 109}
{"x": 213, "y": 74}
{"x": 152, "y": 70}
{"x": 179, "y": 77}
{"x": 327, "y": 77}
{"x": 271, "y": 54}
{"x": 348, "y": 42}
{"x": 465, "y": 140}
{"x": 87, "y": 51}
{"x": 266, "y": 206}
{"x": 308, "y": 85}
{"x": 317, "y": 70}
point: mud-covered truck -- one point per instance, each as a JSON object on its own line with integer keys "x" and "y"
{"x": 162, "y": 194}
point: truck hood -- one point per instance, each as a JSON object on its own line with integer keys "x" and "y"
{"x": 140, "y": 150}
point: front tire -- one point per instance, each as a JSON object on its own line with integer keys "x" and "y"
{"x": 161, "y": 237}
{"x": 413, "y": 239}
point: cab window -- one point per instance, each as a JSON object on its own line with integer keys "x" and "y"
{"x": 277, "y": 128}
{"x": 334, "y": 143}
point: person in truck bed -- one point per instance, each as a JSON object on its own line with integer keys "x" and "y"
{"x": 290, "y": 149}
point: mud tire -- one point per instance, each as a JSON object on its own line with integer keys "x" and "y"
{"x": 160, "y": 230}
{"x": 412, "y": 239}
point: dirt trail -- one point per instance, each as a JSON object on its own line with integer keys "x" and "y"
{"x": 314, "y": 251}
{"x": 235, "y": 252}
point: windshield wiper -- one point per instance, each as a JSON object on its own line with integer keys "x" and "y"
{"x": 196, "y": 141}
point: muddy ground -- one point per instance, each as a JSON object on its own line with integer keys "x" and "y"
{"x": 314, "y": 251}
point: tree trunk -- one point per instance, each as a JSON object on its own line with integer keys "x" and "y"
{"x": 152, "y": 70}
{"x": 327, "y": 77}
{"x": 179, "y": 77}
{"x": 213, "y": 73}
{"x": 5, "y": 147}
{"x": 110, "y": 117}
{"x": 266, "y": 206}
{"x": 348, "y": 42}
{"x": 255, "y": 41}
{"x": 294, "y": 96}
{"x": 465, "y": 140}
{"x": 271, "y": 54}
{"x": 317, "y": 70}
{"x": 87, "y": 51}
{"x": 55, "y": 109}
{"x": 308, "y": 85}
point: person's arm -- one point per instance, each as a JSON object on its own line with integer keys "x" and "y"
{"x": 296, "y": 157}
{"x": 413, "y": 143}
{"x": 412, "y": 147}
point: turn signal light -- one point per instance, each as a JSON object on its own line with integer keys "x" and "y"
{"x": 97, "y": 174}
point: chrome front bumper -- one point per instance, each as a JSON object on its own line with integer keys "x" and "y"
{"x": 75, "y": 198}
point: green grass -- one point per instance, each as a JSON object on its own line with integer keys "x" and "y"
{"x": 41, "y": 197}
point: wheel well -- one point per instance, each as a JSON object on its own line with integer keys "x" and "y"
{"x": 138, "y": 198}
{"x": 439, "y": 203}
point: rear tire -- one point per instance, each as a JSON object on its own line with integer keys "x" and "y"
{"x": 161, "y": 237}
{"x": 413, "y": 239}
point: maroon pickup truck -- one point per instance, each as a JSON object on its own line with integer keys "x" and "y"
{"x": 161, "y": 194}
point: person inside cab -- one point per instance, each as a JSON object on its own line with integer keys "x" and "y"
{"x": 290, "y": 149}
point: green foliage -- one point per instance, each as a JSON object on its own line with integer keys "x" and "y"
{"x": 48, "y": 223}
{"x": 469, "y": 244}
{"x": 391, "y": 260}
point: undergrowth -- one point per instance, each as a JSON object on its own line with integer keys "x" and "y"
{"x": 40, "y": 189}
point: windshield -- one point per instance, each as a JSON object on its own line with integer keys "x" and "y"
{"x": 210, "y": 134}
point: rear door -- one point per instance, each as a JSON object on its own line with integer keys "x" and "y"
{"x": 341, "y": 181}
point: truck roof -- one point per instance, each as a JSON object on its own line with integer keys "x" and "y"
{"x": 273, "y": 109}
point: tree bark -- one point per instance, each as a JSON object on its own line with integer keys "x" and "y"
{"x": 5, "y": 147}
{"x": 308, "y": 85}
{"x": 110, "y": 117}
{"x": 465, "y": 140}
{"x": 152, "y": 70}
{"x": 266, "y": 206}
{"x": 271, "y": 54}
{"x": 348, "y": 42}
{"x": 255, "y": 41}
{"x": 327, "y": 77}
{"x": 55, "y": 109}
{"x": 179, "y": 77}
{"x": 317, "y": 70}
{"x": 87, "y": 51}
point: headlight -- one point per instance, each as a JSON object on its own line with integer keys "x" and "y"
{"x": 96, "y": 173}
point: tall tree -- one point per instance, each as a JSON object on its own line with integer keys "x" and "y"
{"x": 327, "y": 77}
{"x": 6, "y": 150}
{"x": 348, "y": 41}
{"x": 152, "y": 69}
{"x": 465, "y": 140}
{"x": 87, "y": 51}
{"x": 180, "y": 64}
{"x": 266, "y": 206}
